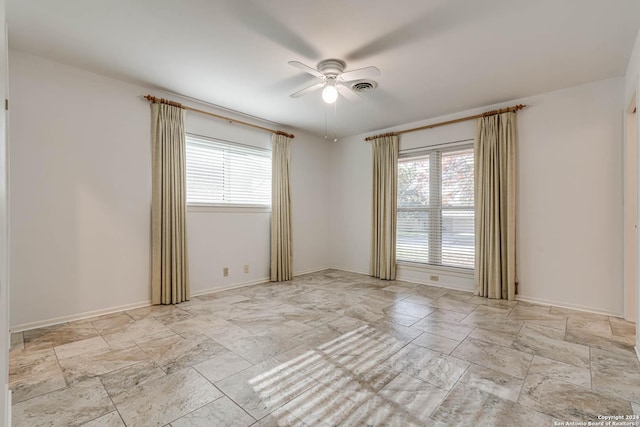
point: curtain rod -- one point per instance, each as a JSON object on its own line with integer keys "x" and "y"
{"x": 151, "y": 98}
{"x": 450, "y": 122}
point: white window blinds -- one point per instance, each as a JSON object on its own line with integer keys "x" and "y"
{"x": 226, "y": 173}
{"x": 435, "y": 207}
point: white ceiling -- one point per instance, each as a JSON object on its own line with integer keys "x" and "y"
{"x": 435, "y": 56}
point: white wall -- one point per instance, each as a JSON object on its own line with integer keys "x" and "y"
{"x": 631, "y": 88}
{"x": 570, "y": 197}
{"x": 80, "y": 207}
{"x": 5, "y": 401}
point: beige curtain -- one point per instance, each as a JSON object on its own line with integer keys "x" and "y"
{"x": 281, "y": 247}
{"x": 384, "y": 207}
{"x": 495, "y": 200}
{"x": 169, "y": 267}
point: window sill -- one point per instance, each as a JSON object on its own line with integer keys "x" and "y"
{"x": 447, "y": 271}
{"x": 228, "y": 209}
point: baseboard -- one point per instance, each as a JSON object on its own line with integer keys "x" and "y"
{"x": 366, "y": 273}
{"x": 569, "y": 306}
{"x": 73, "y": 317}
{"x": 313, "y": 270}
{"x": 252, "y": 282}
{"x": 227, "y": 288}
{"x": 434, "y": 284}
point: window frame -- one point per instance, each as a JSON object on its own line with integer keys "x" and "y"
{"x": 435, "y": 192}
{"x": 197, "y": 207}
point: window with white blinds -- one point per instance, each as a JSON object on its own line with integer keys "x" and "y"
{"x": 435, "y": 207}
{"x": 222, "y": 173}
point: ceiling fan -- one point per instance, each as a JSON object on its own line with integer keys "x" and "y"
{"x": 334, "y": 79}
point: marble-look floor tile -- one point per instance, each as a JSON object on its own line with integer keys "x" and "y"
{"x": 569, "y": 402}
{"x": 80, "y": 347}
{"x": 124, "y": 336}
{"x": 459, "y": 295}
{"x": 257, "y": 348}
{"x": 417, "y": 299}
{"x": 541, "y": 366}
{"x": 444, "y": 328}
{"x": 622, "y": 327}
{"x": 432, "y": 292}
{"x": 379, "y": 411}
{"x": 401, "y": 319}
{"x": 523, "y": 308}
{"x": 153, "y": 311}
{"x": 535, "y": 329}
{"x": 17, "y": 341}
{"x": 447, "y": 315}
{"x": 620, "y": 344}
{"x": 600, "y": 327}
{"x": 89, "y": 365}
{"x": 72, "y": 406}
{"x": 40, "y": 379}
{"x": 174, "y": 353}
{"x": 22, "y": 362}
{"x": 119, "y": 381}
{"x": 324, "y": 406}
{"x": 503, "y": 359}
{"x": 615, "y": 374}
{"x": 413, "y": 395}
{"x": 570, "y": 313}
{"x": 494, "y": 337}
{"x": 222, "y": 366}
{"x": 492, "y": 381}
{"x": 468, "y": 406}
{"x": 562, "y": 351}
{"x": 543, "y": 319}
{"x": 158, "y": 402}
{"x": 220, "y": 412}
{"x": 370, "y": 314}
{"x": 430, "y": 366}
{"x": 107, "y": 321}
{"x": 491, "y": 321}
{"x": 266, "y": 386}
{"x": 330, "y": 340}
{"x": 112, "y": 419}
{"x": 436, "y": 342}
{"x": 400, "y": 333}
{"x": 346, "y": 324}
{"x": 52, "y": 336}
{"x": 280, "y": 418}
{"x": 447, "y": 303}
{"x": 635, "y": 408}
{"x": 410, "y": 309}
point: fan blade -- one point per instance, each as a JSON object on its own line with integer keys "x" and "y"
{"x": 360, "y": 73}
{"x": 306, "y": 68}
{"x": 306, "y": 90}
{"x": 348, "y": 93}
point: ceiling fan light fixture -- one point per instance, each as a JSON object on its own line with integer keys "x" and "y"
{"x": 330, "y": 93}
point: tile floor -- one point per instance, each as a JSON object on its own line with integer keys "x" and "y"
{"x": 329, "y": 348}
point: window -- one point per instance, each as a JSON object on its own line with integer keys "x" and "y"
{"x": 225, "y": 173}
{"x": 435, "y": 207}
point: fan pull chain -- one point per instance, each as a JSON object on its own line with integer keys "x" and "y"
{"x": 325, "y": 123}
{"x": 335, "y": 120}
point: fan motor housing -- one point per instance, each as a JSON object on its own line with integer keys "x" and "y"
{"x": 331, "y": 67}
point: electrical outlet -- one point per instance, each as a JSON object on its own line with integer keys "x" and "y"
{"x": 434, "y": 278}
{"x": 225, "y": 271}
{"x": 246, "y": 268}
